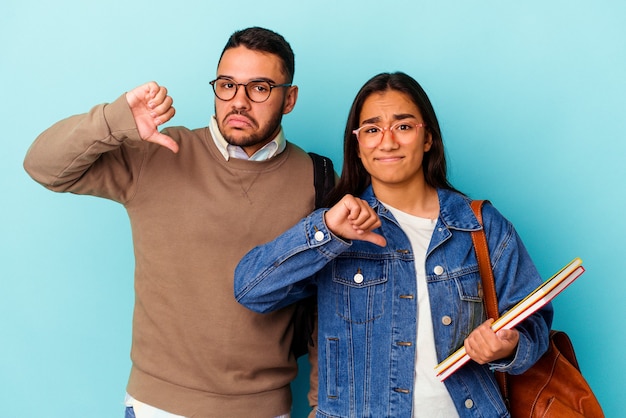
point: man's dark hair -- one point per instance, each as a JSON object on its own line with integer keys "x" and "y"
{"x": 264, "y": 40}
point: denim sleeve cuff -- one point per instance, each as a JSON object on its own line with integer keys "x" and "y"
{"x": 319, "y": 236}
{"x": 516, "y": 363}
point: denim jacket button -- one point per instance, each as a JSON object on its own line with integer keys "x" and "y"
{"x": 446, "y": 320}
{"x": 438, "y": 270}
{"x": 358, "y": 278}
{"x": 319, "y": 236}
{"x": 469, "y": 403}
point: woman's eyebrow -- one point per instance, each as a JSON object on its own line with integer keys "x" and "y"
{"x": 375, "y": 119}
{"x": 401, "y": 116}
{"x": 404, "y": 116}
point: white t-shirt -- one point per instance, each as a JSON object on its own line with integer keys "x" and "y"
{"x": 431, "y": 399}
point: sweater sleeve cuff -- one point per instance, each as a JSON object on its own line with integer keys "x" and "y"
{"x": 120, "y": 120}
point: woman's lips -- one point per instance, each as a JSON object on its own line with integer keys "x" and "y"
{"x": 388, "y": 159}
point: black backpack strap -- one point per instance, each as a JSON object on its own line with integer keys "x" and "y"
{"x": 305, "y": 314}
{"x": 323, "y": 177}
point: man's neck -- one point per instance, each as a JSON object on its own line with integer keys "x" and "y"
{"x": 270, "y": 149}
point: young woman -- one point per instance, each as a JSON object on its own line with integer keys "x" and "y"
{"x": 396, "y": 275}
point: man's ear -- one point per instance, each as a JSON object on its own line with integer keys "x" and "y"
{"x": 290, "y": 99}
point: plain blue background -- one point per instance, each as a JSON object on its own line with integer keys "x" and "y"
{"x": 530, "y": 95}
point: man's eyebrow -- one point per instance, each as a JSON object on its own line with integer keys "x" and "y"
{"x": 269, "y": 80}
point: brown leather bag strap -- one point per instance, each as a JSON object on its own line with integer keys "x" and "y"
{"x": 490, "y": 297}
{"x": 484, "y": 263}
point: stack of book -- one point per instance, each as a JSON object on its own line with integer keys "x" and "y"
{"x": 529, "y": 305}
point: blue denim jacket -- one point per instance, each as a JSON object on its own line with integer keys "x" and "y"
{"x": 367, "y": 306}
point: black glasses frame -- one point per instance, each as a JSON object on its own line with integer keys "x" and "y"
{"x": 245, "y": 87}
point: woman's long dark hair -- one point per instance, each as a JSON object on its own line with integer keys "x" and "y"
{"x": 354, "y": 178}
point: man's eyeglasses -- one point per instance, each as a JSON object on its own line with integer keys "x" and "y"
{"x": 370, "y": 135}
{"x": 257, "y": 90}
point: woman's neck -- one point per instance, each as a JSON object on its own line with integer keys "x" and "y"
{"x": 418, "y": 200}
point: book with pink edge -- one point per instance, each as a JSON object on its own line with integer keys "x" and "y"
{"x": 539, "y": 297}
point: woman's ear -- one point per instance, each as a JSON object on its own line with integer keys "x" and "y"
{"x": 428, "y": 142}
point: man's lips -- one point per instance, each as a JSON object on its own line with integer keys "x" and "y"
{"x": 238, "y": 121}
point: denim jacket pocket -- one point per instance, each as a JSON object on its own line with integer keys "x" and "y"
{"x": 472, "y": 312}
{"x": 360, "y": 285}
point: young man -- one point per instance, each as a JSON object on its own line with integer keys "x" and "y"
{"x": 198, "y": 200}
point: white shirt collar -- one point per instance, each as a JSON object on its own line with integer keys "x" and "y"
{"x": 228, "y": 151}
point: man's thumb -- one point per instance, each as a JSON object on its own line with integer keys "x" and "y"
{"x": 164, "y": 140}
